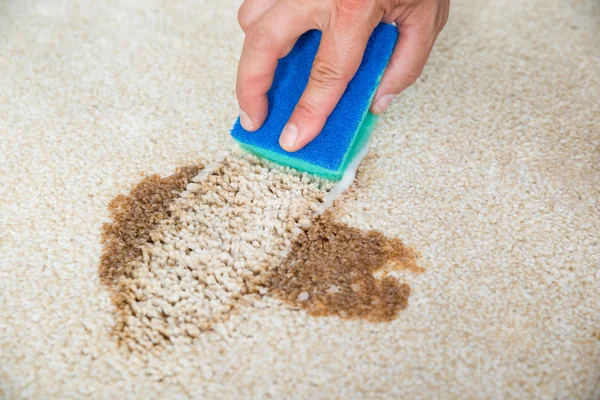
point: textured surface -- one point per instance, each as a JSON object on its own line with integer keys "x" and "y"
{"x": 350, "y": 125}
{"x": 180, "y": 262}
{"x": 489, "y": 165}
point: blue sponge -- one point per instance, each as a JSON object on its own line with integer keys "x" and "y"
{"x": 348, "y": 128}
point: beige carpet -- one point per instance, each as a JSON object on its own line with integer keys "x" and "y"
{"x": 489, "y": 166}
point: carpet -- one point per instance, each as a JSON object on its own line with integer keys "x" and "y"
{"x": 485, "y": 173}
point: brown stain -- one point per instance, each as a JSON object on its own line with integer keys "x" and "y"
{"x": 332, "y": 264}
{"x": 331, "y": 271}
{"x": 136, "y": 215}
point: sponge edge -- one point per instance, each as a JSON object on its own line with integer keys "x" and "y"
{"x": 349, "y": 127}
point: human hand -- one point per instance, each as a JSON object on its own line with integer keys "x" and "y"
{"x": 273, "y": 26}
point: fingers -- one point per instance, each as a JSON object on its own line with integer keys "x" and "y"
{"x": 408, "y": 60}
{"x": 251, "y": 11}
{"x": 336, "y": 62}
{"x": 267, "y": 40}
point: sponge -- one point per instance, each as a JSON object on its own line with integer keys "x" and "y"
{"x": 348, "y": 128}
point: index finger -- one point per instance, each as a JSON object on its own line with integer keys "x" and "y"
{"x": 267, "y": 41}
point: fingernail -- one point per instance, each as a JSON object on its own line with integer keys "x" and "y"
{"x": 383, "y": 103}
{"x": 246, "y": 121}
{"x": 289, "y": 136}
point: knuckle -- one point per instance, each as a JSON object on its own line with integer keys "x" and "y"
{"x": 411, "y": 77}
{"x": 354, "y": 5}
{"x": 261, "y": 39}
{"x": 243, "y": 20}
{"x": 308, "y": 109}
{"x": 351, "y": 14}
{"x": 327, "y": 74}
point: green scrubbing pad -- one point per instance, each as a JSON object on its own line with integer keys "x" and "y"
{"x": 348, "y": 128}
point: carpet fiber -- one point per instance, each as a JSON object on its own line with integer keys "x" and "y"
{"x": 488, "y": 167}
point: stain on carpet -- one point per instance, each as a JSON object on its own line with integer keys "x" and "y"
{"x": 136, "y": 215}
{"x": 331, "y": 271}
{"x": 184, "y": 252}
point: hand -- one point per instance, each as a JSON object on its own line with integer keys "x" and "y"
{"x": 273, "y": 26}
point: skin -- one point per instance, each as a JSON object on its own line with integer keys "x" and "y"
{"x": 273, "y": 26}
